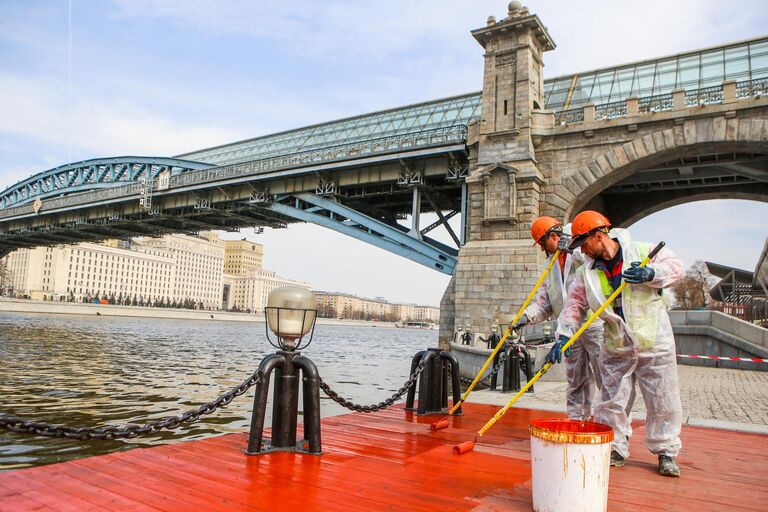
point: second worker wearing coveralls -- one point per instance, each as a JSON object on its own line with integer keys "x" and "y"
{"x": 581, "y": 366}
{"x": 639, "y": 344}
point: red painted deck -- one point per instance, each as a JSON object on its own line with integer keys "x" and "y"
{"x": 387, "y": 461}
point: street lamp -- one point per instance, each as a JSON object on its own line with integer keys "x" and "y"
{"x": 290, "y": 313}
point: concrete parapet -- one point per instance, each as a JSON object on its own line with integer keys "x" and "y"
{"x": 711, "y": 333}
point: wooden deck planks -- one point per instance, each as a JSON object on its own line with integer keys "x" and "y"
{"x": 387, "y": 461}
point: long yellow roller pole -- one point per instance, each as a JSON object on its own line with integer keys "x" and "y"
{"x": 466, "y": 446}
{"x": 506, "y": 334}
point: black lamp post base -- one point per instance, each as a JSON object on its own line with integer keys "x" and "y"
{"x": 289, "y": 369}
{"x": 302, "y": 446}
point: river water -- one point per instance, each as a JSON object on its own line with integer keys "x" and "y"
{"x": 90, "y": 371}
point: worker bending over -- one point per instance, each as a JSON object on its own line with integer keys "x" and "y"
{"x": 639, "y": 344}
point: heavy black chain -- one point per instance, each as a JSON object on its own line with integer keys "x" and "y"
{"x": 20, "y": 425}
{"x": 496, "y": 368}
{"x": 381, "y": 405}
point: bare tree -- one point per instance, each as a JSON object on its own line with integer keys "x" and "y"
{"x": 692, "y": 292}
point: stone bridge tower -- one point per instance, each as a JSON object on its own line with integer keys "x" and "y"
{"x": 498, "y": 265}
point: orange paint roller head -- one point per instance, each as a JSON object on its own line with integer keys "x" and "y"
{"x": 439, "y": 425}
{"x": 463, "y": 447}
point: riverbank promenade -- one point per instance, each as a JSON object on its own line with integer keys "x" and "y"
{"x": 387, "y": 461}
{"x": 711, "y": 397}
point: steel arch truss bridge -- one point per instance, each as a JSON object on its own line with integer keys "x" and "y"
{"x": 93, "y": 174}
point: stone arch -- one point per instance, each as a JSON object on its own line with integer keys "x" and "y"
{"x": 695, "y": 136}
{"x": 636, "y": 215}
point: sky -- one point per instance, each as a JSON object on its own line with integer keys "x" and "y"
{"x": 86, "y": 79}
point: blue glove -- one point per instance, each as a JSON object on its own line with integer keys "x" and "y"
{"x": 564, "y": 243}
{"x": 555, "y": 353}
{"x": 636, "y": 274}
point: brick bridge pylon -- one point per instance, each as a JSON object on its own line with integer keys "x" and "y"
{"x": 525, "y": 162}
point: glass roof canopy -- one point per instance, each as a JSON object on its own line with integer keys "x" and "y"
{"x": 746, "y": 60}
{"x": 419, "y": 118}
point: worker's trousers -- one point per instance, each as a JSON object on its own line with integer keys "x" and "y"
{"x": 583, "y": 374}
{"x": 655, "y": 371}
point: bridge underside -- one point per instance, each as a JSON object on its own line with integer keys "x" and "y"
{"x": 376, "y": 195}
{"x": 688, "y": 178}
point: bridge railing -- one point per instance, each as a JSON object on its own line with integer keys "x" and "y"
{"x": 704, "y": 96}
{"x": 574, "y": 115}
{"x": 656, "y": 103}
{"x": 752, "y": 88}
{"x": 727, "y": 91}
{"x": 611, "y": 110}
{"x": 422, "y": 139}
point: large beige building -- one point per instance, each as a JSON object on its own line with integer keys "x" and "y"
{"x": 242, "y": 257}
{"x": 249, "y": 292}
{"x": 246, "y": 284}
{"x": 198, "y": 266}
{"x": 173, "y": 268}
{"x": 90, "y": 270}
{"x": 341, "y": 305}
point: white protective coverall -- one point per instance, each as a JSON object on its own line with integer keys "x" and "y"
{"x": 581, "y": 367}
{"x": 640, "y": 348}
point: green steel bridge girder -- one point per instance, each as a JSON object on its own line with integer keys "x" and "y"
{"x": 333, "y": 215}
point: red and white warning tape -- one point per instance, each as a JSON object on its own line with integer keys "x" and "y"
{"x": 749, "y": 359}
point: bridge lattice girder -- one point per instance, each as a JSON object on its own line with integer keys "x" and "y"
{"x": 394, "y": 238}
{"x": 93, "y": 174}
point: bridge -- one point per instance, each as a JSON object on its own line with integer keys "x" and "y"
{"x": 629, "y": 140}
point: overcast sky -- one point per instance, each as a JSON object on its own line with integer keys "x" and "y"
{"x": 164, "y": 77}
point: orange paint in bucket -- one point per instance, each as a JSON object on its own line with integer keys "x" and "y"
{"x": 570, "y": 463}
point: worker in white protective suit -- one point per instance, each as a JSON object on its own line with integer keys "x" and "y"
{"x": 581, "y": 364}
{"x": 639, "y": 344}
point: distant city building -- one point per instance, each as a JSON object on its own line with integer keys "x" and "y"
{"x": 341, "y": 305}
{"x": 168, "y": 269}
{"x": 246, "y": 284}
{"x": 193, "y": 271}
{"x": 249, "y": 292}
{"x": 242, "y": 257}
{"x": 182, "y": 270}
{"x": 198, "y": 266}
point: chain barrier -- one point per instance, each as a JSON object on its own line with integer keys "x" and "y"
{"x": 110, "y": 432}
{"x": 496, "y": 368}
{"x": 381, "y": 405}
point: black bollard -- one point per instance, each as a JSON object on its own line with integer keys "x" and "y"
{"x": 511, "y": 381}
{"x": 287, "y": 367}
{"x": 433, "y": 382}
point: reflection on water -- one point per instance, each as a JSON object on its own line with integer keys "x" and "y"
{"x": 90, "y": 371}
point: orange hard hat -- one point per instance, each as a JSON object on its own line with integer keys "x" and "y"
{"x": 541, "y": 226}
{"x": 585, "y": 223}
{"x": 588, "y": 220}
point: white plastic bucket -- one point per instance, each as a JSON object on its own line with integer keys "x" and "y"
{"x": 570, "y": 463}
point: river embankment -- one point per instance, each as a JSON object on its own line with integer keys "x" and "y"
{"x": 78, "y": 308}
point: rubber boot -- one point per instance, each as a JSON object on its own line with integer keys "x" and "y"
{"x": 668, "y": 466}
{"x": 616, "y": 459}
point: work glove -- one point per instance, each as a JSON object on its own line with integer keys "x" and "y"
{"x": 564, "y": 243}
{"x": 555, "y": 353}
{"x": 636, "y": 274}
{"x": 522, "y": 322}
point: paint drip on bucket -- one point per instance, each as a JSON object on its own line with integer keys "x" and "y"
{"x": 570, "y": 464}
